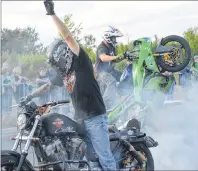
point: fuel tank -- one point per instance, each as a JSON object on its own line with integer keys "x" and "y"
{"x": 55, "y": 124}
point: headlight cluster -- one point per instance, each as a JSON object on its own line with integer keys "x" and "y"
{"x": 21, "y": 121}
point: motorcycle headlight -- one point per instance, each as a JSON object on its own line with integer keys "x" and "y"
{"x": 21, "y": 121}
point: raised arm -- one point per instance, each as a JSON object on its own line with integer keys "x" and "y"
{"x": 62, "y": 28}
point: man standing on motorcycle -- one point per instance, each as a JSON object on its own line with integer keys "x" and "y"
{"x": 74, "y": 70}
{"x": 107, "y": 76}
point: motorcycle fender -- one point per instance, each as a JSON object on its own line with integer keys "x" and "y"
{"x": 11, "y": 153}
{"x": 148, "y": 141}
{"x": 17, "y": 155}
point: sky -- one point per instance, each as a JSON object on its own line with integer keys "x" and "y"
{"x": 134, "y": 19}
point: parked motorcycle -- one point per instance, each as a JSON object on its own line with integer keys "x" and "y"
{"x": 58, "y": 142}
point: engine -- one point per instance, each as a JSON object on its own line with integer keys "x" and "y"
{"x": 55, "y": 151}
{"x": 61, "y": 150}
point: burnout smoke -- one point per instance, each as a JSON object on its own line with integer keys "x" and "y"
{"x": 177, "y": 127}
{"x": 177, "y": 136}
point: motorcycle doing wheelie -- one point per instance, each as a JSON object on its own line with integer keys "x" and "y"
{"x": 150, "y": 84}
{"x": 58, "y": 143}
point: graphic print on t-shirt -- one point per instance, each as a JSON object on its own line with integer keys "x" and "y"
{"x": 70, "y": 81}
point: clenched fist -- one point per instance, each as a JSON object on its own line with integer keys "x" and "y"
{"x": 49, "y": 6}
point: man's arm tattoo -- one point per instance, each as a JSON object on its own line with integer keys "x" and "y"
{"x": 43, "y": 89}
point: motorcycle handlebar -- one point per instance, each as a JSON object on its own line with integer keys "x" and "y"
{"x": 130, "y": 55}
{"x": 54, "y": 103}
{"x": 63, "y": 101}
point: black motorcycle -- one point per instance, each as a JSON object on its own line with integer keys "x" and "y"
{"x": 58, "y": 142}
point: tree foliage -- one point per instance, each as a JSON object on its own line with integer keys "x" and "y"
{"x": 90, "y": 53}
{"x": 21, "y": 41}
{"x": 22, "y": 47}
{"x": 121, "y": 48}
{"x": 90, "y": 41}
{"x": 191, "y": 35}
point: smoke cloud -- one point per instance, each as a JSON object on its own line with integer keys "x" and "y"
{"x": 177, "y": 135}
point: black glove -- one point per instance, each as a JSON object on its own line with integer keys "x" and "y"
{"x": 127, "y": 54}
{"x": 49, "y": 6}
{"x": 119, "y": 58}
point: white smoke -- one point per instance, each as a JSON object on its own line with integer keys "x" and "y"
{"x": 178, "y": 136}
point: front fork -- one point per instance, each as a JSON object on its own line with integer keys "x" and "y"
{"x": 28, "y": 140}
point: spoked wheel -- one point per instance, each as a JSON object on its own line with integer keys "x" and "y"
{"x": 179, "y": 57}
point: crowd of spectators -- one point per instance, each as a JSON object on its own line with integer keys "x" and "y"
{"x": 14, "y": 86}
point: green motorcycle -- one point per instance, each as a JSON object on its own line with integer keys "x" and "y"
{"x": 150, "y": 83}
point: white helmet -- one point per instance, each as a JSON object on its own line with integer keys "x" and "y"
{"x": 111, "y": 34}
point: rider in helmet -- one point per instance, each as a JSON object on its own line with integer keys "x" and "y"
{"x": 72, "y": 68}
{"x": 107, "y": 76}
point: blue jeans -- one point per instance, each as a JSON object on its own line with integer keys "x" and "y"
{"x": 97, "y": 139}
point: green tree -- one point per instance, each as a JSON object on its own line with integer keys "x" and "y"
{"x": 121, "y": 48}
{"x": 90, "y": 41}
{"x": 22, "y": 47}
{"x": 90, "y": 52}
{"x": 191, "y": 35}
{"x": 21, "y": 41}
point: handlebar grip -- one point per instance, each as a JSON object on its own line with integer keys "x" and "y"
{"x": 54, "y": 103}
{"x": 63, "y": 101}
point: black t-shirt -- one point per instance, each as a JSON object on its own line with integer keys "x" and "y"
{"x": 104, "y": 66}
{"x": 83, "y": 88}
